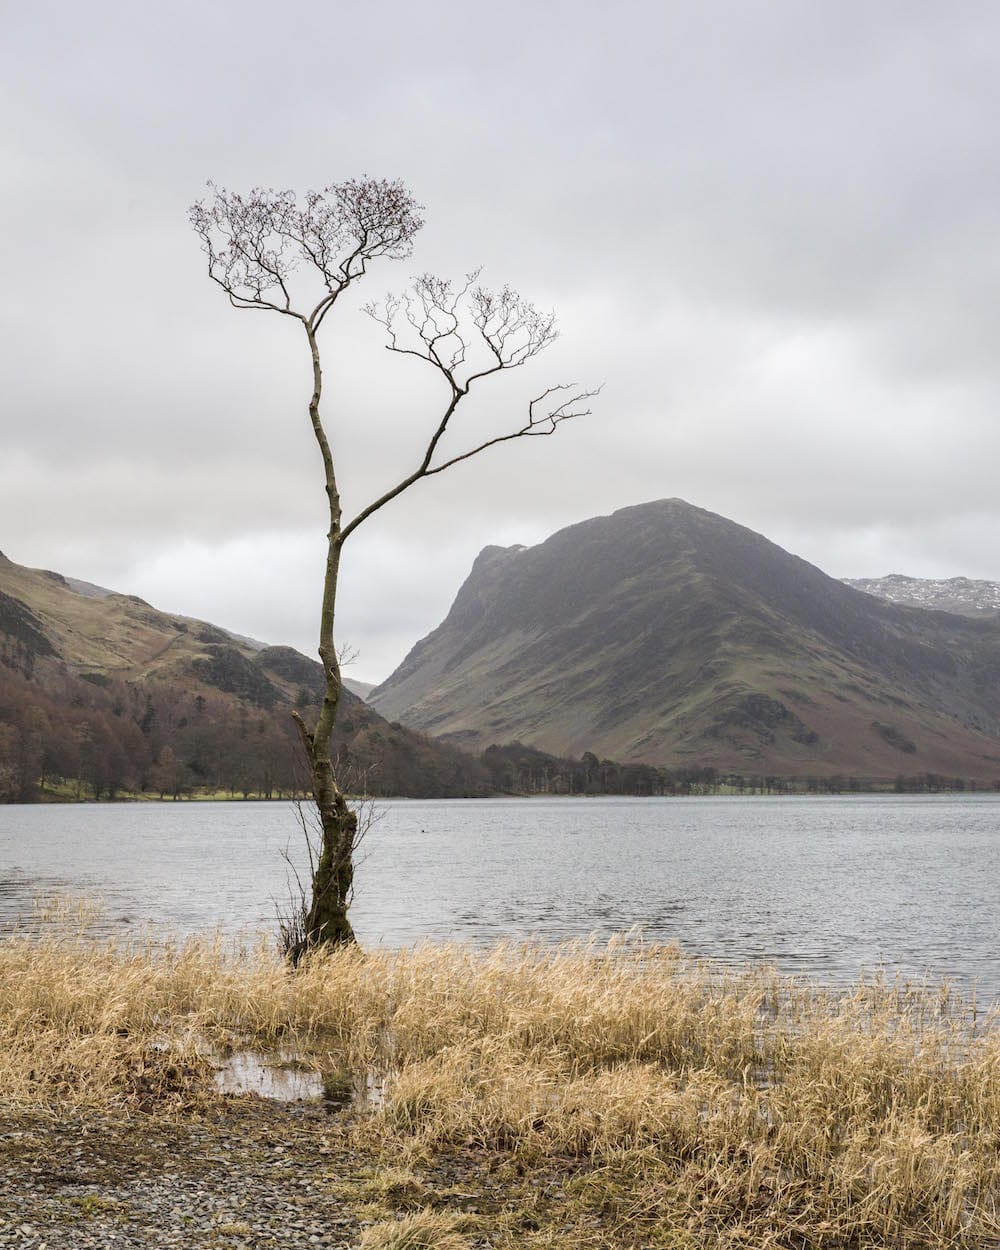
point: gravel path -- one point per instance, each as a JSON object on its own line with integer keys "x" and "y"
{"x": 257, "y": 1175}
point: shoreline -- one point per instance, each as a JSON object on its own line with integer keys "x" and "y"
{"x": 584, "y": 1097}
{"x": 874, "y": 791}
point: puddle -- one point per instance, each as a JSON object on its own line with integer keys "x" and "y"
{"x": 279, "y": 1077}
{"x": 284, "y": 1078}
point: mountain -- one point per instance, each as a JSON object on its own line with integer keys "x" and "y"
{"x": 953, "y": 594}
{"x": 668, "y": 635}
{"x": 102, "y": 693}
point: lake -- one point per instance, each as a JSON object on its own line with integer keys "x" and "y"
{"x": 821, "y": 886}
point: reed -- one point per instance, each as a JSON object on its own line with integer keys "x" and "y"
{"x": 681, "y": 1103}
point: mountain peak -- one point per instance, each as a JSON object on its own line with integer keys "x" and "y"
{"x": 666, "y": 634}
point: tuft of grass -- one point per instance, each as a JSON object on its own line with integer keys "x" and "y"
{"x": 93, "y": 1205}
{"x": 423, "y": 1230}
{"x": 394, "y": 1184}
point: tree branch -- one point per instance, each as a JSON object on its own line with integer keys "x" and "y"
{"x": 537, "y": 425}
{"x": 255, "y": 242}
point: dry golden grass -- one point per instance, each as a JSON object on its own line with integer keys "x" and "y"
{"x": 424, "y": 1230}
{"x": 682, "y": 1104}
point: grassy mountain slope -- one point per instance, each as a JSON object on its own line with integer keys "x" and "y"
{"x": 668, "y": 635}
{"x": 110, "y": 682}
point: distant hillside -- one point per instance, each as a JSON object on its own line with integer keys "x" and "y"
{"x": 961, "y": 595}
{"x": 665, "y": 634}
{"x": 102, "y": 693}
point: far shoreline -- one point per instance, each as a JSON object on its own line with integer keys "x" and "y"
{"x": 786, "y": 791}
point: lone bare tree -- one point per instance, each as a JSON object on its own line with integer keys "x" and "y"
{"x": 265, "y": 245}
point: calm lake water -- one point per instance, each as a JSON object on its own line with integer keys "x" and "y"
{"x": 820, "y": 886}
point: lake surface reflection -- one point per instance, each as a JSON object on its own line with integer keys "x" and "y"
{"x": 824, "y": 887}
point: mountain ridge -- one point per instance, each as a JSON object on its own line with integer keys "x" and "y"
{"x": 666, "y": 634}
{"x": 116, "y": 695}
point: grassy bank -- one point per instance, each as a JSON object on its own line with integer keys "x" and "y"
{"x": 567, "y": 1097}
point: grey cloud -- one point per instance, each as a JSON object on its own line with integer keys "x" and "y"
{"x": 769, "y": 228}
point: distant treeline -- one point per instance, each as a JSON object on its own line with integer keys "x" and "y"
{"x": 78, "y": 738}
{"x": 519, "y": 769}
{"x": 75, "y": 738}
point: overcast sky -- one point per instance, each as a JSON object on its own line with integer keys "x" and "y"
{"x": 771, "y": 230}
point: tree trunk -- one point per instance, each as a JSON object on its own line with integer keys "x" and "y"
{"x": 326, "y": 920}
